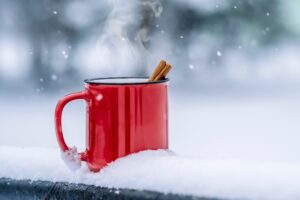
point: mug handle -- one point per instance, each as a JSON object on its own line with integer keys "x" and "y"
{"x": 58, "y": 113}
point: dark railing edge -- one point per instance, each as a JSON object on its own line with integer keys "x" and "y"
{"x": 27, "y": 189}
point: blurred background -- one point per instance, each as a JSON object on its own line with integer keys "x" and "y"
{"x": 234, "y": 89}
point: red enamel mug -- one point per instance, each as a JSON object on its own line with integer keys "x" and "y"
{"x": 124, "y": 116}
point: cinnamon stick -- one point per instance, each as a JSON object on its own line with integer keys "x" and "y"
{"x": 163, "y": 72}
{"x": 157, "y": 70}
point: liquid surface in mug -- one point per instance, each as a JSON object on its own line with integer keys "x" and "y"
{"x": 119, "y": 80}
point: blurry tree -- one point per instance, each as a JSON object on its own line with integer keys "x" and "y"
{"x": 231, "y": 24}
{"x": 56, "y": 28}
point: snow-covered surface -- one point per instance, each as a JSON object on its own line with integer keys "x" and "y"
{"x": 216, "y": 127}
{"x": 161, "y": 171}
{"x": 71, "y": 158}
{"x": 226, "y": 146}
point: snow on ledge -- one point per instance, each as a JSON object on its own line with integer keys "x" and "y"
{"x": 161, "y": 171}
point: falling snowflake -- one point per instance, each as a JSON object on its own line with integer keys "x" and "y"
{"x": 191, "y": 66}
{"x": 65, "y": 55}
{"x": 99, "y": 97}
{"x": 219, "y": 53}
{"x": 53, "y": 77}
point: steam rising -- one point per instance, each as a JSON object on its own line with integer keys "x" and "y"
{"x": 121, "y": 48}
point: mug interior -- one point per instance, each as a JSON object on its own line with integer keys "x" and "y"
{"x": 122, "y": 81}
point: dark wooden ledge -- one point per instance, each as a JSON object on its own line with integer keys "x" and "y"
{"x": 11, "y": 189}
